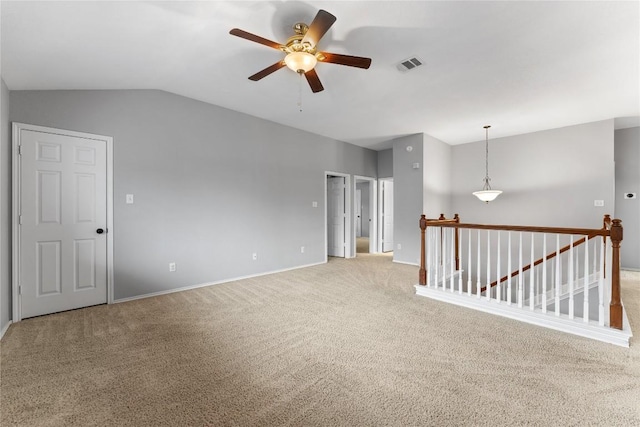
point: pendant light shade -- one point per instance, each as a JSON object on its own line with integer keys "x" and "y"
{"x": 487, "y": 194}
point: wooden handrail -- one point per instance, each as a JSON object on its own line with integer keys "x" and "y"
{"x": 525, "y": 228}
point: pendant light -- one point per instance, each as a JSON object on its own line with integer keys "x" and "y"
{"x": 487, "y": 194}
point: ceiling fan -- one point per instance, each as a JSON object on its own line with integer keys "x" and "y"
{"x": 301, "y": 49}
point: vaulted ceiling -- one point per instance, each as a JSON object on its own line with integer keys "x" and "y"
{"x": 519, "y": 66}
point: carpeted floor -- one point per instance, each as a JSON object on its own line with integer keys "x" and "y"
{"x": 346, "y": 343}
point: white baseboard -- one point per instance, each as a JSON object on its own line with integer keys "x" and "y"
{"x": 415, "y": 264}
{"x": 202, "y": 285}
{"x": 6, "y": 327}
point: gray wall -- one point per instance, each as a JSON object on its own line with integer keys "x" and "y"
{"x": 385, "y": 163}
{"x": 407, "y": 197}
{"x": 365, "y": 214}
{"x": 211, "y": 185}
{"x": 627, "y": 156}
{"x": 436, "y": 178}
{"x": 5, "y": 207}
{"x": 549, "y": 178}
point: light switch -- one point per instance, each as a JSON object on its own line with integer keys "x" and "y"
{"x": 598, "y": 203}
{"x": 129, "y": 199}
{"x": 314, "y": 204}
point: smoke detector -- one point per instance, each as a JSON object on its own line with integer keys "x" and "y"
{"x": 409, "y": 64}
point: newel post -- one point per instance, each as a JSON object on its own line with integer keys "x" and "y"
{"x": 615, "y": 308}
{"x": 423, "y": 270}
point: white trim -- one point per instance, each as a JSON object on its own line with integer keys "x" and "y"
{"x": 373, "y": 212}
{"x": 381, "y": 221}
{"x": 562, "y": 323}
{"x": 349, "y": 242}
{"x": 405, "y": 262}
{"x": 15, "y": 189}
{"x": 219, "y": 282}
{"x": 4, "y": 330}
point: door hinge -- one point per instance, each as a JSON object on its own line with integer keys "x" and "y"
{"x": 19, "y": 290}
{"x": 19, "y": 219}
{"x": 19, "y": 150}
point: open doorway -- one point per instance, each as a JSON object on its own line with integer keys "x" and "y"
{"x": 365, "y": 215}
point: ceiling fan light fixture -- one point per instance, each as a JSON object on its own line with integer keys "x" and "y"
{"x": 300, "y": 62}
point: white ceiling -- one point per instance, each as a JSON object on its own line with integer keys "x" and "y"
{"x": 519, "y": 66}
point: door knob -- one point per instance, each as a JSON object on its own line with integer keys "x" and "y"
{"x": 99, "y": 231}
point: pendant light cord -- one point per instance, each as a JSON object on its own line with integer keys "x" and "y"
{"x": 486, "y": 186}
{"x": 300, "y": 93}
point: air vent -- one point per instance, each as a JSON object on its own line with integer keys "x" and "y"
{"x": 409, "y": 64}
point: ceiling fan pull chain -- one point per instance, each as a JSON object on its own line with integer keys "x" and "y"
{"x": 300, "y": 93}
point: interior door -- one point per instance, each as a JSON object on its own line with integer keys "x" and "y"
{"x": 387, "y": 216}
{"x": 358, "y": 213}
{"x": 62, "y": 226}
{"x": 336, "y": 218}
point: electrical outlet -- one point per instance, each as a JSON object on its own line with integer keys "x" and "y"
{"x": 172, "y": 267}
{"x": 255, "y": 256}
{"x": 301, "y": 249}
{"x": 129, "y": 199}
{"x": 399, "y": 246}
{"x": 314, "y": 204}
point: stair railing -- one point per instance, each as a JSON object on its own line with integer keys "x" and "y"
{"x": 441, "y": 241}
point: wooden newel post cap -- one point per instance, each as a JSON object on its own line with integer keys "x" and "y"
{"x": 423, "y": 222}
{"x": 442, "y": 216}
{"x": 616, "y": 230}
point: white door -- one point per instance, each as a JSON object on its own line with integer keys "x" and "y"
{"x": 387, "y": 216}
{"x": 62, "y": 227}
{"x": 336, "y": 215}
{"x": 358, "y": 213}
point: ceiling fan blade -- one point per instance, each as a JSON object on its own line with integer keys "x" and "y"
{"x": 348, "y": 60}
{"x": 314, "y": 81}
{"x": 320, "y": 25}
{"x": 245, "y": 35}
{"x": 270, "y": 69}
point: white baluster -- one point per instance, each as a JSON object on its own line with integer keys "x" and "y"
{"x": 478, "y": 276}
{"x": 601, "y": 286}
{"x": 558, "y": 275}
{"x": 443, "y": 259}
{"x": 595, "y": 252}
{"x": 585, "y": 293}
{"x": 452, "y": 260}
{"x": 436, "y": 268}
{"x": 509, "y": 269}
{"x": 532, "y": 277}
{"x": 498, "y": 286}
{"x": 488, "y": 292}
{"x": 520, "y": 286}
{"x": 459, "y": 266}
{"x": 428, "y": 256}
{"x": 571, "y": 270}
{"x": 544, "y": 272}
{"x": 469, "y": 262}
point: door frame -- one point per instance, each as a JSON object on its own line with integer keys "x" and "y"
{"x": 16, "y": 305}
{"x": 348, "y": 221}
{"x": 381, "y": 222}
{"x": 373, "y": 211}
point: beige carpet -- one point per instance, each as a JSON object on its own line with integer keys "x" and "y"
{"x": 347, "y": 343}
{"x": 362, "y": 245}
